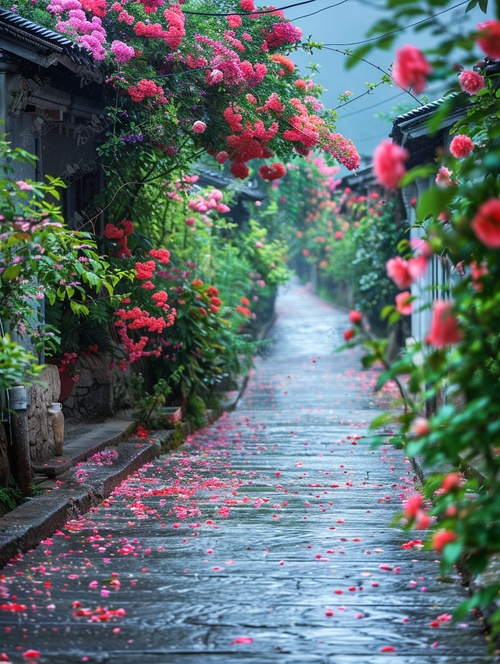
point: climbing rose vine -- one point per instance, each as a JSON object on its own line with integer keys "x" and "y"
{"x": 449, "y": 378}
{"x": 221, "y": 80}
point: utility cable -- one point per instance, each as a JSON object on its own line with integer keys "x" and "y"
{"x": 393, "y": 32}
{"x": 254, "y": 13}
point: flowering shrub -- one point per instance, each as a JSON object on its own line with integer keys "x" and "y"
{"x": 41, "y": 258}
{"x": 456, "y": 365}
{"x": 189, "y": 325}
{"x": 224, "y": 84}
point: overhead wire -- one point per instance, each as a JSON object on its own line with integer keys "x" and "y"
{"x": 253, "y": 13}
{"x": 393, "y": 32}
{"x": 368, "y": 108}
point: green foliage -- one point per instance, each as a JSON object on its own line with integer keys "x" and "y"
{"x": 41, "y": 258}
{"x": 147, "y": 413}
{"x": 15, "y": 363}
{"x": 10, "y": 497}
{"x": 452, "y": 375}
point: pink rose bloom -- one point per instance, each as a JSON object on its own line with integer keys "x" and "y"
{"x": 403, "y": 303}
{"x": 411, "y": 69}
{"x": 421, "y": 247}
{"x": 234, "y": 21}
{"x": 443, "y": 177}
{"x": 444, "y": 325}
{"x": 477, "y": 271}
{"x": 412, "y": 504}
{"x": 355, "y": 317}
{"x": 461, "y": 146}
{"x": 388, "y": 163}
{"x": 471, "y": 82}
{"x": 215, "y": 76}
{"x": 121, "y": 51}
{"x": 489, "y": 40}
{"x": 221, "y": 157}
{"x": 190, "y": 221}
{"x": 486, "y": 223}
{"x": 405, "y": 272}
{"x": 420, "y": 427}
{"x": 441, "y": 538}
{"x": 199, "y": 127}
{"x": 24, "y": 186}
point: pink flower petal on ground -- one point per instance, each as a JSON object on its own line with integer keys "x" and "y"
{"x": 242, "y": 639}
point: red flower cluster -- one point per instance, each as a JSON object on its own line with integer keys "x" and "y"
{"x": 144, "y": 89}
{"x": 175, "y": 33}
{"x": 272, "y": 171}
{"x": 249, "y": 144}
{"x": 162, "y": 255}
{"x": 280, "y": 34}
{"x": 97, "y": 7}
{"x": 120, "y": 233}
{"x": 145, "y": 270}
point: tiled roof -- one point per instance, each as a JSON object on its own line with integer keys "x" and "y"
{"x": 38, "y": 38}
{"x": 221, "y": 180}
{"x": 420, "y": 116}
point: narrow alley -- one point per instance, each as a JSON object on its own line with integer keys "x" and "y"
{"x": 265, "y": 538}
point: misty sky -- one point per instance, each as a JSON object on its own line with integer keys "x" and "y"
{"x": 349, "y": 22}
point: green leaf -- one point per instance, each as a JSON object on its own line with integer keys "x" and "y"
{"x": 414, "y": 447}
{"x": 417, "y": 172}
{"x": 355, "y": 58}
{"x": 382, "y": 420}
{"x": 433, "y": 201}
{"x": 11, "y": 272}
{"x": 451, "y": 553}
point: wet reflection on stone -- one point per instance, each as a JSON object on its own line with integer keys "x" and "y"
{"x": 264, "y": 539}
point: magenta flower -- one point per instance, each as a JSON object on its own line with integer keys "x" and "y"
{"x": 486, "y": 223}
{"x": 411, "y": 69}
{"x": 199, "y": 127}
{"x": 489, "y": 39}
{"x": 388, "y": 164}
{"x": 471, "y": 82}
{"x": 461, "y": 146}
{"x": 444, "y": 325}
{"x": 403, "y": 303}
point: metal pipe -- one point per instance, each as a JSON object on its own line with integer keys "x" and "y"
{"x": 18, "y": 398}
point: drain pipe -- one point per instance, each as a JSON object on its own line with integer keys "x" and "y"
{"x": 18, "y": 398}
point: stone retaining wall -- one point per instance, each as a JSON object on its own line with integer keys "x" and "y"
{"x": 92, "y": 396}
{"x": 44, "y": 392}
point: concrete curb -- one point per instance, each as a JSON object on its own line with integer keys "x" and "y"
{"x": 37, "y": 518}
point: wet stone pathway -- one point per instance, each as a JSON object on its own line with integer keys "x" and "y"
{"x": 265, "y": 538}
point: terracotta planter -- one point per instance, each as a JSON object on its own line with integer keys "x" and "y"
{"x": 67, "y": 382}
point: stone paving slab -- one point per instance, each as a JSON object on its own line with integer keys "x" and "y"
{"x": 82, "y": 441}
{"x": 265, "y": 538}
